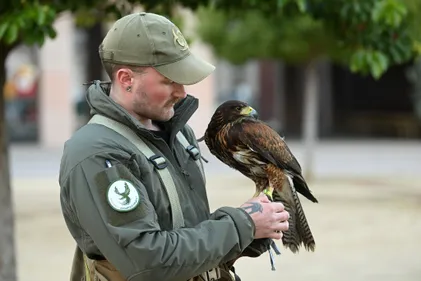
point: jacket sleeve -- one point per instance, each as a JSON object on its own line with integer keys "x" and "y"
{"x": 133, "y": 241}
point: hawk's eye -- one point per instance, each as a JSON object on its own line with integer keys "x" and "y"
{"x": 238, "y": 108}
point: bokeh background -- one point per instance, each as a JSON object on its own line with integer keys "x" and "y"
{"x": 357, "y": 135}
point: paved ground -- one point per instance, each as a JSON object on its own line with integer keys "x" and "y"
{"x": 332, "y": 159}
{"x": 367, "y": 224}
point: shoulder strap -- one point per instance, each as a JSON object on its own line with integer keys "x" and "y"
{"x": 192, "y": 150}
{"x": 158, "y": 161}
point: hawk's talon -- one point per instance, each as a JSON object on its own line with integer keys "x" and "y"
{"x": 268, "y": 193}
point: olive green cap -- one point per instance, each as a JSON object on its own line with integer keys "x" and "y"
{"x": 147, "y": 39}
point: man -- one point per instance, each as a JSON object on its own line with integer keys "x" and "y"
{"x": 114, "y": 202}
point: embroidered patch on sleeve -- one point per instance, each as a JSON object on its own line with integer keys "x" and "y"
{"x": 123, "y": 196}
{"x": 121, "y": 200}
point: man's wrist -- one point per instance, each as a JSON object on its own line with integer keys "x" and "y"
{"x": 250, "y": 219}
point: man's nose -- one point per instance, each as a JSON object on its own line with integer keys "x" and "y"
{"x": 179, "y": 91}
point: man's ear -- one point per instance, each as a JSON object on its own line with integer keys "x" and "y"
{"x": 124, "y": 77}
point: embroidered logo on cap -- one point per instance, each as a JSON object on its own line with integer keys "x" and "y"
{"x": 179, "y": 39}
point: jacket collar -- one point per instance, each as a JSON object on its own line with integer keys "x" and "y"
{"x": 100, "y": 103}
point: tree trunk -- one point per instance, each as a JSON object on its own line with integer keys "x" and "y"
{"x": 310, "y": 118}
{"x": 7, "y": 243}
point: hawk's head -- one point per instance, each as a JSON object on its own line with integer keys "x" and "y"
{"x": 231, "y": 111}
{"x": 227, "y": 113}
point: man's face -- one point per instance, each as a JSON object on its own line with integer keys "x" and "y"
{"x": 155, "y": 95}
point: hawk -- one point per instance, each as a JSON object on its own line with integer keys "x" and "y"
{"x": 239, "y": 139}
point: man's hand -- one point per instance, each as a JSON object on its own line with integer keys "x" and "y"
{"x": 270, "y": 218}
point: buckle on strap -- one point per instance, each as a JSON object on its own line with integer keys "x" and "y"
{"x": 158, "y": 161}
{"x": 213, "y": 274}
{"x": 193, "y": 151}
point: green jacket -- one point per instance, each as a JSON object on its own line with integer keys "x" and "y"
{"x": 141, "y": 243}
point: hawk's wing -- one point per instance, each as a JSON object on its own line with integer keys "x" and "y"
{"x": 262, "y": 139}
{"x": 266, "y": 143}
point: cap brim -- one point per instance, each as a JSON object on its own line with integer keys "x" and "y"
{"x": 187, "y": 71}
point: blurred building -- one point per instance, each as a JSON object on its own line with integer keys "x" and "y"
{"x": 41, "y": 88}
{"x": 350, "y": 105}
{"x": 20, "y": 93}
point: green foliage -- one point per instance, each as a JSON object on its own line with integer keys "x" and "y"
{"x": 390, "y": 13}
{"x": 413, "y": 22}
{"x": 368, "y": 36}
{"x": 29, "y": 23}
{"x": 254, "y": 35}
{"x": 371, "y": 35}
{"x": 368, "y": 61}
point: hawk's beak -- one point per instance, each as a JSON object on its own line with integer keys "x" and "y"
{"x": 249, "y": 111}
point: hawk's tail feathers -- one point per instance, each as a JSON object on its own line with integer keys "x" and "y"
{"x": 291, "y": 238}
{"x": 299, "y": 232}
{"x": 302, "y": 225}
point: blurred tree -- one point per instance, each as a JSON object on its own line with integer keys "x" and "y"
{"x": 368, "y": 36}
{"x": 31, "y": 22}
